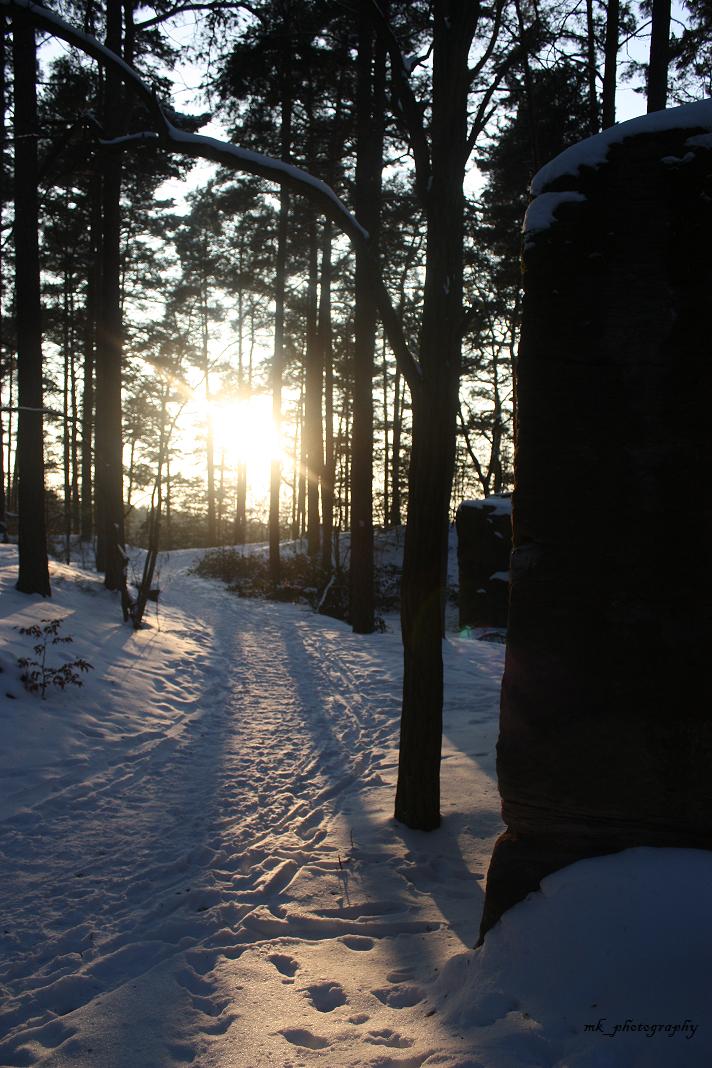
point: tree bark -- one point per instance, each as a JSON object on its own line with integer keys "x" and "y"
{"x": 280, "y": 284}
{"x": 205, "y": 367}
{"x": 90, "y": 314}
{"x": 327, "y": 355}
{"x": 591, "y": 69}
{"x": 313, "y": 395}
{"x": 434, "y": 418}
{"x": 659, "y": 56}
{"x": 610, "y": 77}
{"x": 3, "y": 498}
{"x": 108, "y": 432}
{"x": 398, "y": 401}
{"x": 370, "y": 93}
{"x": 240, "y": 525}
{"x": 32, "y": 541}
{"x": 66, "y": 432}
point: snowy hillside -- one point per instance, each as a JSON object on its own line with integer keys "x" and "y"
{"x": 201, "y": 865}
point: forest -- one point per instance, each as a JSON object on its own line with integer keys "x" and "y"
{"x": 251, "y": 361}
{"x": 261, "y": 296}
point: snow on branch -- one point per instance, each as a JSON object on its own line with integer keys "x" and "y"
{"x": 228, "y": 155}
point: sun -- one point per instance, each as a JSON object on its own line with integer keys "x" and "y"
{"x": 244, "y": 432}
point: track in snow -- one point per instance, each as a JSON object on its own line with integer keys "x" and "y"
{"x": 190, "y": 841}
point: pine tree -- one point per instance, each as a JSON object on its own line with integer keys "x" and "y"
{"x": 32, "y": 542}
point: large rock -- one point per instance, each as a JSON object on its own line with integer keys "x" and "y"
{"x": 606, "y": 718}
{"x": 484, "y": 545}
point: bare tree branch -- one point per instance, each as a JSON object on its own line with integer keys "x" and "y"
{"x": 180, "y": 9}
{"x": 491, "y": 44}
{"x": 470, "y": 451}
{"x": 409, "y": 107}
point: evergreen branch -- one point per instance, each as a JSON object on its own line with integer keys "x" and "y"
{"x": 180, "y": 9}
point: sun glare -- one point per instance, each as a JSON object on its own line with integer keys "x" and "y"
{"x": 245, "y": 432}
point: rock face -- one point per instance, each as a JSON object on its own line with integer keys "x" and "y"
{"x": 484, "y": 545}
{"x": 606, "y": 717}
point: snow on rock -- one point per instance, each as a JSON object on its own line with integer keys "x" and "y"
{"x": 607, "y": 966}
{"x": 593, "y": 151}
{"x": 498, "y": 503}
{"x": 541, "y": 212}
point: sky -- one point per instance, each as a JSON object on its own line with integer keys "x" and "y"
{"x": 247, "y": 431}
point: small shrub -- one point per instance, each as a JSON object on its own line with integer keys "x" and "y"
{"x": 37, "y": 675}
{"x": 302, "y": 580}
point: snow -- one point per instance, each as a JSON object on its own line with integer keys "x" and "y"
{"x": 497, "y": 504}
{"x": 196, "y": 144}
{"x": 620, "y": 945}
{"x": 541, "y": 212}
{"x": 593, "y": 151}
{"x": 201, "y": 864}
{"x": 270, "y": 168}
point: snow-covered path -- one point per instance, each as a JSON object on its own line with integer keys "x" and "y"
{"x": 227, "y": 887}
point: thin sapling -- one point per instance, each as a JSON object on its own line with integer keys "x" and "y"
{"x": 37, "y": 674}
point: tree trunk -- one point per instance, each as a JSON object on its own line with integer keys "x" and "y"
{"x": 659, "y": 56}
{"x": 327, "y": 354}
{"x": 66, "y": 442}
{"x": 280, "y": 284}
{"x": 210, "y": 442}
{"x": 240, "y": 525}
{"x": 74, "y": 421}
{"x": 398, "y": 402}
{"x": 109, "y": 460}
{"x": 277, "y": 372}
{"x": 302, "y": 463}
{"x": 313, "y": 390}
{"x": 3, "y": 498}
{"x": 86, "y": 524}
{"x": 386, "y": 435}
{"x": 32, "y": 541}
{"x": 610, "y": 77}
{"x": 370, "y": 102}
{"x": 529, "y": 89}
{"x": 168, "y": 501}
{"x": 434, "y": 418}
{"x": 591, "y": 69}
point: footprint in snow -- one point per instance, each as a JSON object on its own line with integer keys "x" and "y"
{"x": 203, "y": 998}
{"x": 194, "y": 983}
{"x": 209, "y": 1006}
{"x": 325, "y": 997}
{"x": 399, "y": 997}
{"x": 299, "y": 1037}
{"x": 386, "y": 1037}
{"x": 221, "y": 1025}
{"x": 284, "y": 964}
{"x": 359, "y": 943}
